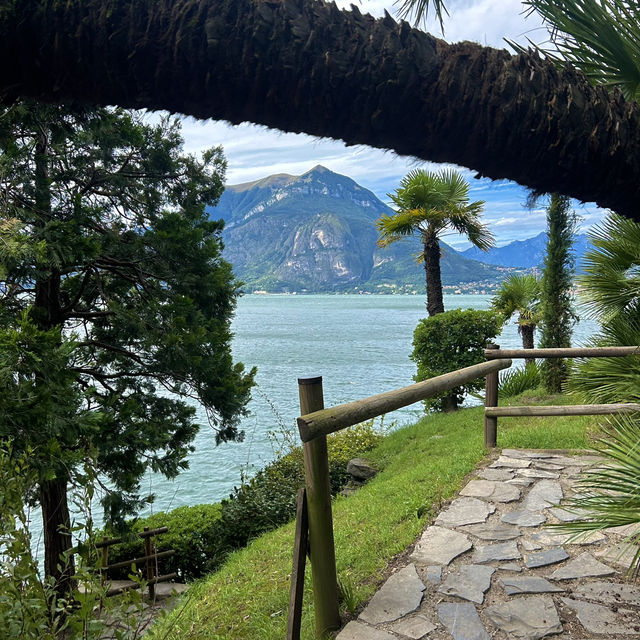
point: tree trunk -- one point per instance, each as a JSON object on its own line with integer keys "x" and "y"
{"x": 431, "y": 254}
{"x": 305, "y": 66}
{"x": 57, "y": 535}
{"x": 527, "y": 331}
{"x": 450, "y": 403}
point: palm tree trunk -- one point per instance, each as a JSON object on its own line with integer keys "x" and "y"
{"x": 431, "y": 254}
{"x": 527, "y": 331}
{"x": 306, "y": 66}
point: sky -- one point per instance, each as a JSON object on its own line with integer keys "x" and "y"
{"x": 254, "y": 152}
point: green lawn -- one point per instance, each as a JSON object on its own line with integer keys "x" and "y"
{"x": 422, "y": 465}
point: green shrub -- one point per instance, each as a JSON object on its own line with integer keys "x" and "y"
{"x": 449, "y": 341}
{"x": 204, "y": 535}
{"x": 513, "y": 382}
{"x": 192, "y": 533}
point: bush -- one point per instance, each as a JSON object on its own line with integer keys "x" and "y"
{"x": 513, "y": 382}
{"x": 449, "y": 341}
{"x": 192, "y": 533}
{"x": 205, "y": 534}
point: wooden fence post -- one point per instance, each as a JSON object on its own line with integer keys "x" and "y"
{"x": 491, "y": 400}
{"x": 149, "y": 565}
{"x": 323, "y": 555}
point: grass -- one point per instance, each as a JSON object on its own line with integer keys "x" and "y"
{"x": 421, "y": 466}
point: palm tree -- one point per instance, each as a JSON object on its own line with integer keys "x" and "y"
{"x": 520, "y": 294}
{"x": 307, "y": 66}
{"x": 610, "y": 290}
{"x": 427, "y": 205}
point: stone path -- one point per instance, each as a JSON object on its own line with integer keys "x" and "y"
{"x": 489, "y": 568}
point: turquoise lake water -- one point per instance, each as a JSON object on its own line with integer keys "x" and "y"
{"x": 360, "y": 345}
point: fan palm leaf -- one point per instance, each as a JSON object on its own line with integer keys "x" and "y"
{"x": 611, "y": 492}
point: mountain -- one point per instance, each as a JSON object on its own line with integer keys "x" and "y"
{"x": 525, "y": 253}
{"x": 316, "y": 232}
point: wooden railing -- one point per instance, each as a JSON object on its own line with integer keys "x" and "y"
{"x": 314, "y": 528}
{"x": 314, "y": 505}
{"x": 149, "y": 559}
{"x": 492, "y": 411}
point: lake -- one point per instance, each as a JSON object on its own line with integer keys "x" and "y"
{"x": 359, "y": 344}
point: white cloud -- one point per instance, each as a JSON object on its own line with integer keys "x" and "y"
{"x": 254, "y": 152}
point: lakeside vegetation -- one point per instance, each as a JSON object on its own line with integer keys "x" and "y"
{"x": 248, "y": 597}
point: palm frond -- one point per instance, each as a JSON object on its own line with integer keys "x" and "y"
{"x": 521, "y": 294}
{"x": 599, "y": 37}
{"x": 419, "y": 10}
{"x": 610, "y": 494}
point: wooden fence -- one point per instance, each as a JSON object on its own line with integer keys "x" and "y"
{"x": 492, "y": 411}
{"x": 314, "y": 426}
{"x": 150, "y": 559}
{"x": 314, "y": 530}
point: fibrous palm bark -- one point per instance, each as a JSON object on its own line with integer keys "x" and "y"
{"x": 305, "y": 66}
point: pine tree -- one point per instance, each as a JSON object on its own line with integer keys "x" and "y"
{"x": 115, "y": 305}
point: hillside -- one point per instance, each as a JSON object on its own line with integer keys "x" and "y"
{"x": 316, "y": 232}
{"x": 525, "y": 253}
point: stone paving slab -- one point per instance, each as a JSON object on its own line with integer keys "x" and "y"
{"x": 491, "y": 569}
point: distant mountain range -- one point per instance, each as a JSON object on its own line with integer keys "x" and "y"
{"x": 525, "y": 253}
{"x": 316, "y": 233}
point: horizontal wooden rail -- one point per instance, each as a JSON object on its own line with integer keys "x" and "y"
{"x": 128, "y": 563}
{"x": 342, "y": 416}
{"x": 567, "y": 410}
{"x": 142, "y": 534}
{"x": 570, "y": 352}
{"x": 134, "y": 585}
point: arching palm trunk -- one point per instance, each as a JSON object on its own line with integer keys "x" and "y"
{"x": 431, "y": 254}
{"x": 299, "y": 65}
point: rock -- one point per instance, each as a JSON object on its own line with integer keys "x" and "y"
{"x": 545, "y": 558}
{"x": 521, "y": 482}
{"x": 543, "y": 494}
{"x": 510, "y": 463}
{"x": 358, "y": 631}
{"x": 530, "y": 618}
{"x": 537, "y": 473}
{"x": 491, "y": 490}
{"x": 583, "y": 566}
{"x": 538, "y": 464}
{"x": 415, "y": 627}
{"x": 470, "y": 582}
{"x": 399, "y": 595}
{"x": 500, "y": 551}
{"x": 565, "y": 515}
{"x": 510, "y": 566}
{"x": 360, "y": 470}
{"x": 465, "y": 511}
{"x": 601, "y": 620}
{"x": 462, "y": 621}
{"x": 492, "y": 531}
{"x": 548, "y": 539}
{"x": 438, "y": 545}
{"x": 527, "y": 584}
{"x": 524, "y": 455}
{"x": 625, "y": 529}
{"x": 496, "y": 474}
{"x": 609, "y": 593}
{"x": 523, "y": 518}
{"x": 528, "y": 545}
{"x": 621, "y": 554}
{"x": 434, "y": 575}
{"x": 348, "y": 491}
